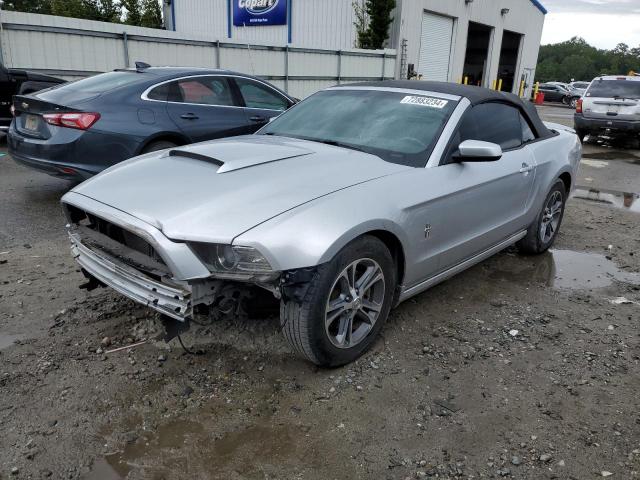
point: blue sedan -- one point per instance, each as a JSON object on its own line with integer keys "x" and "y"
{"x": 78, "y": 129}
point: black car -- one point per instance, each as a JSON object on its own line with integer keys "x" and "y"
{"x": 15, "y": 81}
{"x": 556, "y": 93}
{"x": 79, "y": 129}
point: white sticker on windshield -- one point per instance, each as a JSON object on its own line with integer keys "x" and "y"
{"x": 425, "y": 101}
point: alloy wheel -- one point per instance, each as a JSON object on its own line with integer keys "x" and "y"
{"x": 355, "y": 302}
{"x": 551, "y": 217}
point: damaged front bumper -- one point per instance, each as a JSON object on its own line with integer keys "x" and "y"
{"x": 133, "y": 257}
{"x": 171, "y": 300}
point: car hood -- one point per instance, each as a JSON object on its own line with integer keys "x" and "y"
{"x": 214, "y": 191}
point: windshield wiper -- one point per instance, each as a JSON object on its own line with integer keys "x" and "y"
{"x": 340, "y": 144}
{"x": 333, "y": 143}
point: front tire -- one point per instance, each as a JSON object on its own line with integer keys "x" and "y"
{"x": 345, "y": 306}
{"x": 543, "y": 231}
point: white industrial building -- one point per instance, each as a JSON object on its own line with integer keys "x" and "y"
{"x": 484, "y": 41}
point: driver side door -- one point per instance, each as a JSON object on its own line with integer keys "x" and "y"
{"x": 482, "y": 203}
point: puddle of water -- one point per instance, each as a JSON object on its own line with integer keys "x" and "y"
{"x": 566, "y": 269}
{"x": 168, "y": 437}
{"x": 101, "y": 470}
{"x": 623, "y": 200}
{"x": 612, "y": 155}
{"x": 594, "y": 163}
{"x": 6, "y": 340}
{"x": 180, "y": 447}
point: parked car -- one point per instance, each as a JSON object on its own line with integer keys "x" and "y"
{"x": 579, "y": 87}
{"x": 560, "y": 84}
{"x": 356, "y": 199}
{"x": 79, "y": 129}
{"x": 14, "y": 81}
{"x": 611, "y": 103}
{"x": 554, "y": 92}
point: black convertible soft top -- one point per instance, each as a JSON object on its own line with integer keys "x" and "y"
{"x": 475, "y": 95}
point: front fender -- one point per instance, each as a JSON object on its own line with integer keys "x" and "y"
{"x": 313, "y": 233}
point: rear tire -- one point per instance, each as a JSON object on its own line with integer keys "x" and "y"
{"x": 338, "y": 319}
{"x": 581, "y": 135}
{"x": 543, "y": 231}
{"x": 159, "y": 145}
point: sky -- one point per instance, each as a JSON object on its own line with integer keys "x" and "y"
{"x": 602, "y": 23}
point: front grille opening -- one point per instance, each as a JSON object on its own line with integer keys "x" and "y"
{"x": 114, "y": 232}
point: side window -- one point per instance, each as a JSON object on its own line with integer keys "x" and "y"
{"x": 202, "y": 90}
{"x": 256, "y": 95}
{"x": 161, "y": 92}
{"x": 527, "y": 133}
{"x": 493, "y": 122}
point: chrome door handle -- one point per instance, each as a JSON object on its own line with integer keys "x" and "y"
{"x": 526, "y": 168}
{"x": 189, "y": 116}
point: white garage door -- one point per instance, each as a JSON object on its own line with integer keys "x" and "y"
{"x": 435, "y": 47}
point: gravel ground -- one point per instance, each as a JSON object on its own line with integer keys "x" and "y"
{"x": 521, "y": 367}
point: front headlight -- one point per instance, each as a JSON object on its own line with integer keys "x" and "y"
{"x": 232, "y": 260}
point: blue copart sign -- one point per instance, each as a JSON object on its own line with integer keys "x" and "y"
{"x": 259, "y": 12}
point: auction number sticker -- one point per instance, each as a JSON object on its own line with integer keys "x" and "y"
{"x": 425, "y": 101}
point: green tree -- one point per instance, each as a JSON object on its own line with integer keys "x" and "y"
{"x": 103, "y": 10}
{"x": 69, "y": 8}
{"x": 361, "y": 24}
{"x": 29, "y": 6}
{"x": 151, "y": 14}
{"x": 379, "y": 12}
{"x": 373, "y": 18}
{"x": 133, "y": 14}
{"x": 576, "y": 59}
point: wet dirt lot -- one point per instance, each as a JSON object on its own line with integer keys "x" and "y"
{"x": 521, "y": 367}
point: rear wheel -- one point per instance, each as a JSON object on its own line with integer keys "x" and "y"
{"x": 543, "y": 231}
{"x": 158, "y": 145}
{"x": 581, "y": 135}
{"x": 345, "y": 306}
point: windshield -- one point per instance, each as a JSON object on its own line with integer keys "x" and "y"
{"x": 580, "y": 84}
{"x": 614, "y": 89}
{"x": 395, "y": 126}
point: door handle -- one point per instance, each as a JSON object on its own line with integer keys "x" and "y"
{"x": 526, "y": 168}
{"x": 189, "y": 116}
{"x": 257, "y": 119}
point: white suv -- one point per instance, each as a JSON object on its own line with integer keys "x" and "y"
{"x": 609, "y": 103}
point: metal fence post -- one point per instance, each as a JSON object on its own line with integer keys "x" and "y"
{"x": 217, "y": 53}
{"x": 125, "y": 44}
{"x": 339, "y": 53}
{"x": 286, "y": 69}
{"x": 1, "y": 32}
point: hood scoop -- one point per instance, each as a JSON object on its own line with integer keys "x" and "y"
{"x": 232, "y": 154}
{"x": 195, "y": 156}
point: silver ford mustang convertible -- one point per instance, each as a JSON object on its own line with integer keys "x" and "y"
{"x": 354, "y": 200}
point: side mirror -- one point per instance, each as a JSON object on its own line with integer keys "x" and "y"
{"x": 478, "y": 151}
{"x": 271, "y": 119}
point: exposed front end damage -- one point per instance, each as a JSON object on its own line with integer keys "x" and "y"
{"x": 133, "y": 260}
{"x": 170, "y": 298}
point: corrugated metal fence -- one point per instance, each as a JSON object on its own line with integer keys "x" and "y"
{"x": 73, "y": 48}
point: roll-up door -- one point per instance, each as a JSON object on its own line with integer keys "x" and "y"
{"x": 435, "y": 47}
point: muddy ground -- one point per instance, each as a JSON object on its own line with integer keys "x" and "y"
{"x": 521, "y": 367}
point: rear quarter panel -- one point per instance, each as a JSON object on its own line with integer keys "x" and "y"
{"x": 554, "y": 156}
